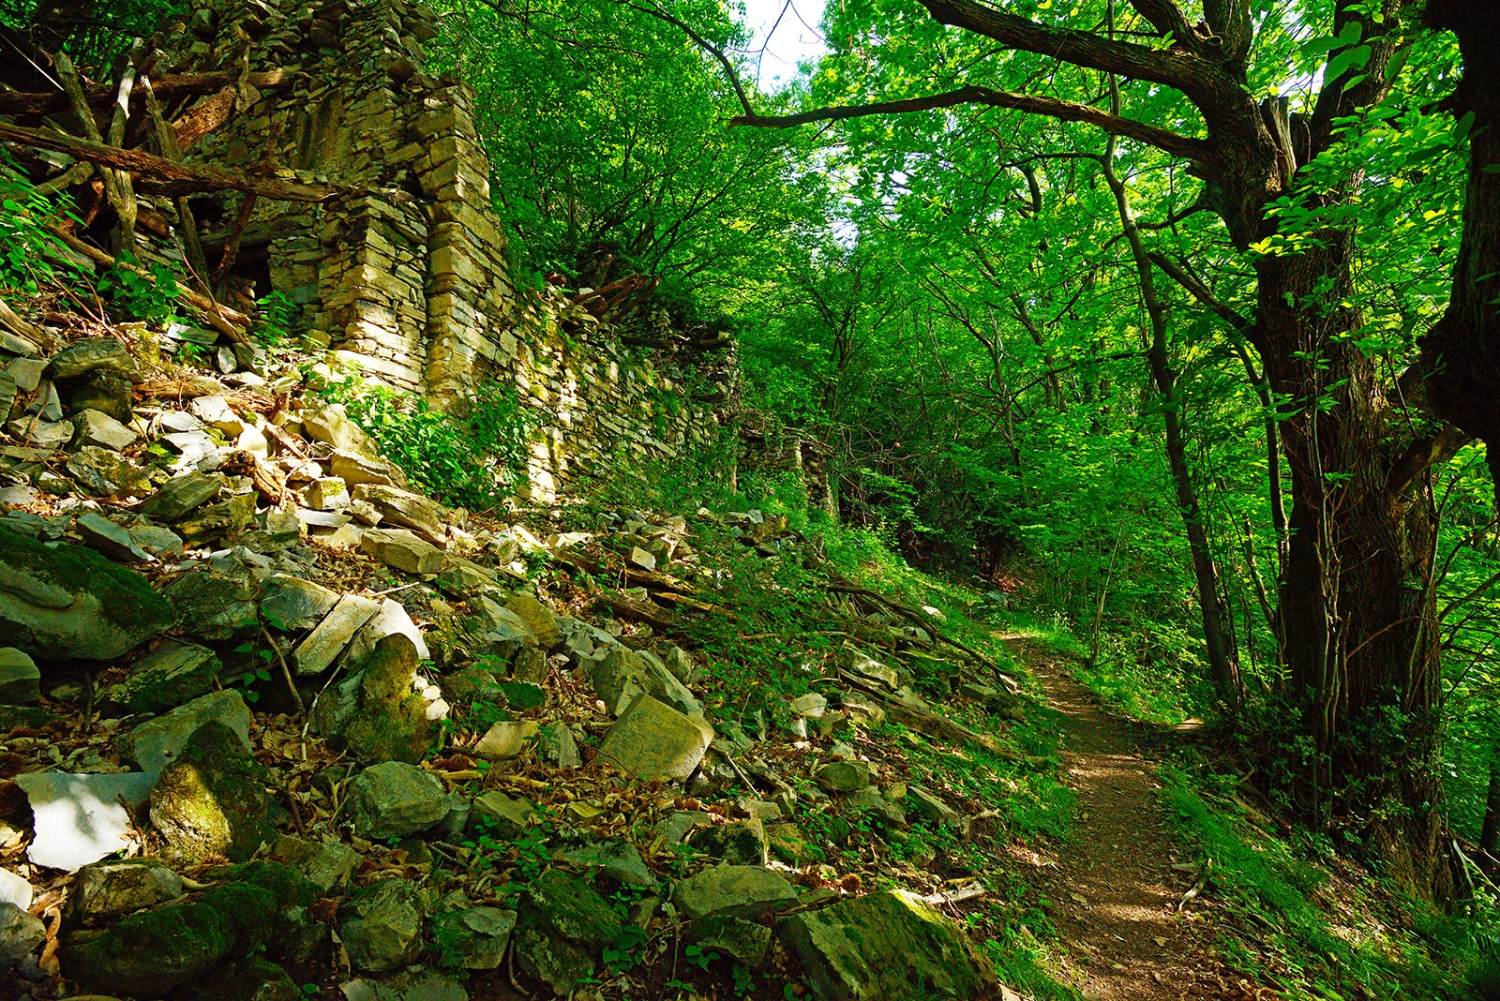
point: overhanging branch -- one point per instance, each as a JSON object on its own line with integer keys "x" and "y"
{"x": 1176, "y": 69}
{"x": 1195, "y": 150}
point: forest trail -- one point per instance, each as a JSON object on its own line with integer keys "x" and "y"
{"x": 1114, "y": 894}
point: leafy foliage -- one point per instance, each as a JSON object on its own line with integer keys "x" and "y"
{"x": 473, "y": 456}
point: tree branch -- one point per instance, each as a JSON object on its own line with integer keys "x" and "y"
{"x": 1195, "y": 150}
{"x": 1179, "y": 70}
{"x": 167, "y": 88}
{"x": 1167, "y": 18}
{"x": 734, "y": 78}
{"x": 178, "y": 176}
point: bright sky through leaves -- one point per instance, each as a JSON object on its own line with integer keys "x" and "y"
{"x": 778, "y": 48}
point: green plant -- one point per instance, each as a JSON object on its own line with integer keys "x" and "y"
{"x": 249, "y": 680}
{"x": 149, "y": 294}
{"x": 275, "y": 320}
{"x": 472, "y": 455}
{"x": 620, "y": 955}
{"x": 27, "y": 247}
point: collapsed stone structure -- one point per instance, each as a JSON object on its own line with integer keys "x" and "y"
{"x": 406, "y": 274}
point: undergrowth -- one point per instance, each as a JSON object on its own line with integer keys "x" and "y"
{"x": 473, "y": 455}
{"x": 1313, "y": 927}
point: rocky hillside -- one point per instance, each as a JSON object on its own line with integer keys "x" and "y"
{"x": 276, "y": 725}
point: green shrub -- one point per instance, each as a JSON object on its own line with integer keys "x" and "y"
{"x": 473, "y": 455}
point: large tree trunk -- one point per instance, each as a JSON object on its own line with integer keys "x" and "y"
{"x": 1356, "y": 599}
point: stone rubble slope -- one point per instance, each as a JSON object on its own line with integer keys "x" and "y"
{"x": 281, "y": 721}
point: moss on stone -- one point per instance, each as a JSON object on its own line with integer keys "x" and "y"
{"x": 212, "y": 799}
{"x": 149, "y": 953}
{"x": 125, "y": 597}
{"x": 391, "y": 721}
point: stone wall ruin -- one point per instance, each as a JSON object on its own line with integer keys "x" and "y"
{"x": 406, "y": 274}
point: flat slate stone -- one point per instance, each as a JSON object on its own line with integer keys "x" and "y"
{"x": 20, "y": 679}
{"x": 652, "y": 740}
{"x": 322, "y": 646}
{"x": 741, "y": 891}
{"x": 180, "y": 495}
{"x": 78, "y": 819}
{"x": 403, "y": 550}
{"x": 69, "y": 602}
{"x": 156, "y": 742}
{"x": 292, "y": 604}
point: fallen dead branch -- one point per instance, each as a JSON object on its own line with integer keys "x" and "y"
{"x": 168, "y": 177}
{"x": 169, "y": 87}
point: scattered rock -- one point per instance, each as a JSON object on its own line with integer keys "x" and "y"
{"x": 507, "y": 816}
{"x": 292, "y": 604}
{"x": 390, "y": 619}
{"x": 403, "y": 551}
{"x": 564, "y": 925}
{"x": 15, "y": 889}
{"x": 101, "y": 472}
{"x": 381, "y": 717}
{"x": 845, "y": 776}
{"x": 426, "y": 517}
{"x": 354, "y": 469}
{"x": 929, "y": 807}
{"x": 331, "y": 425}
{"x": 624, "y": 675}
{"x": 394, "y": 799}
{"x": 212, "y": 799}
{"x": 20, "y": 933}
{"x": 213, "y": 607}
{"x": 78, "y": 819}
{"x": 104, "y": 536}
{"x": 94, "y": 428}
{"x": 325, "y": 864}
{"x": 67, "y": 602}
{"x": 20, "y": 681}
{"x": 322, "y": 646}
{"x": 381, "y": 925}
{"x": 652, "y": 740}
{"x": 616, "y": 859}
{"x": 423, "y": 985}
{"x": 739, "y": 842}
{"x": 155, "y": 742}
{"x": 742, "y": 891}
{"x": 112, "y": 889}
{"x": 882, "y": 947}
{"x": 172, "y": 674}
{"x": 506, "y": 739}
{"x": 99, "y": 354}
{"x": 152, "y": 952}
{"x": 182, "y": 494}
{"x": 217, "y": 522}
{"x": 538, "y": 618}
{"x": 474, "y": 938}
{"x": 747, "y": 942}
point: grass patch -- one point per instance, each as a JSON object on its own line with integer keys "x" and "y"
{"x": 1315, "y": 932}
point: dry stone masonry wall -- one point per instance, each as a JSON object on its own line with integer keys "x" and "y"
{"x": 406, "y": 273}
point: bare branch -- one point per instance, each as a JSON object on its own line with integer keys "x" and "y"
{"x": 1196, "y": 150}
{"x": 179, "y": 176}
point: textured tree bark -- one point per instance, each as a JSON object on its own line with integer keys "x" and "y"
{"x": 1463, "y": 348}
{"x": 1489, "y": 834}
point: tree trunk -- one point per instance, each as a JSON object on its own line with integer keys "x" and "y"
{"x": 1356, "y": 602}
{"x": 1489, "y": 834}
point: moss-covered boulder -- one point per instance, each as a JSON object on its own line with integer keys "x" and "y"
{"x": 564, "y": 926}
{"x": 377, "y": 715}
{"x": 63, "y": 601}
{"x": 212, "y": 800}
{"x": 169, "y": 676}
{"x": 886, "y": 946}
{"x": 213, "y": 607}
{"x": 382, "y": 924}
{"x": 150, "y": 953}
